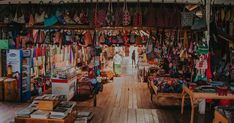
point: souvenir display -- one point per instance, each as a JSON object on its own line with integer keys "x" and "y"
{"x": 57, "y": 52}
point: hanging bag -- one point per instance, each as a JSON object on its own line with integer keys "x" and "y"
{"x": 199, "y": 23}
{"x": 84, "y": 14}
{"x": 137, "y": 17}
{"x": 88, "y": 38}
{"x": 120, "y": 38}
{"x": 149, "y": 46}
{"x": 109, "y": 15}
{"x": 132, "y": 38}
{"x": 31, "y": 18}
{"x": 19, "y": 15}
{"x": 8, "y": 14}
{"x": 40, "y": 14}
{"x": 60, "y": 12}
{"x": 126, "y": 15}
{"x": 76, "y": 17}
{"x": 68, "y": 15}
{"x": 101, "y": 38}
{"x": 186, "y": 18}
{"x": 118, "y": 15}
{"x": 150, "y": 15}
{"x": 50, "y": 19}
{"x": 102, "y": 15}
{"x": 96, "y": 23}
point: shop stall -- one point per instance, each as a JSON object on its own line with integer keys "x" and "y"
{"x": 223, "y": 114}
{"x": 48, "y": 109}
{"x": 205, "y": 92}
{"x": 68, "y": 49}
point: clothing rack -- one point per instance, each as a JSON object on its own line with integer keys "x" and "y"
{"x": 88, "y": 27}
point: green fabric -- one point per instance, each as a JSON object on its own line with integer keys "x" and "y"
{"x": 203, "y": 49}
{"x": 117, "y": 69}
{"x": 200, "y": 78}
{"x": 4, "y": 44}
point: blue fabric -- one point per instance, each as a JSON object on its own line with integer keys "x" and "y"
{"x": 94, "y": 81}
{"x": 50, "y": 21}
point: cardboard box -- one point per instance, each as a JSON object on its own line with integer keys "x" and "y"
{"x": 47, "y": 105}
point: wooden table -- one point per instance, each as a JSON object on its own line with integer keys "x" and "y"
{"x": 219, "y": 118}
{"x": 68, "y": 119}
{"x": 196, "y": 97}
{"x": 175, "y": 97}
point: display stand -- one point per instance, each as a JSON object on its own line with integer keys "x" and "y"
{"x": 69, "y": 119}
{"x": 65, "y": 87}
{"x": 219, "y": 118}
{"x": 167, "y": 98}
{"x": 196, "y": 97}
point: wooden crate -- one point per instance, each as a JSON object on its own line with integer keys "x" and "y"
{"x": 47, "y": 105}
{"x": 219, "y": 118}
{"x": 10, "y": 90}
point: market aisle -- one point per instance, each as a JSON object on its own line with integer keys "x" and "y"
{"x": 125, "y": 100}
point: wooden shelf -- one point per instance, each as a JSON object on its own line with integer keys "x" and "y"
{"x": 90, "y": 27}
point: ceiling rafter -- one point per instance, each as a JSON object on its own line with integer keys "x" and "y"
{"x": 226, "y": 2}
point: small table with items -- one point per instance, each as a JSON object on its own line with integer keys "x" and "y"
{"x": 166, "y": 88}
{"x": 48, "y": 109}
{"x": 196, "y": 97}
{"x": 224, "y": 114}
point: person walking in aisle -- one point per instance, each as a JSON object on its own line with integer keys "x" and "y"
{"x": 133, "y": 58}
{"x": 117, "y": 60}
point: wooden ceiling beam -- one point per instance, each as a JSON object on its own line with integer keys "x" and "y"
{"x": 226, "y": 2}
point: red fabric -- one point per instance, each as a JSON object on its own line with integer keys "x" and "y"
{"x": 209, "y": 100}
{"x": 224, "y": 102}
{"x": 91, "y": 74}
{"x": 208, "y": 71}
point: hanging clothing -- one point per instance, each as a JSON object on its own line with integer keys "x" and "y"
{"x": 208, "y": 70}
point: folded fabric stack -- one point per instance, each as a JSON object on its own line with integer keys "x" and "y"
{"x": 227, "y": 112}
{"x": 168, "y": 85}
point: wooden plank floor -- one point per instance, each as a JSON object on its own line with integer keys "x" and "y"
{"x": 125, "y": 100}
